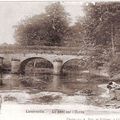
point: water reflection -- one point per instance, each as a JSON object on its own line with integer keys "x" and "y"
{"x": 55, "y": 83}
{"x": 48, "y": 82}
{"x": 10, "y": 81}
{"x": 70, "y": 87}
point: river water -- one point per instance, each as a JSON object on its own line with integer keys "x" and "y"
{"x": 52, "y": 89}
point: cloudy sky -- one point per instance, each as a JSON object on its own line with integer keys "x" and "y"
{"x": 11, "y": 13}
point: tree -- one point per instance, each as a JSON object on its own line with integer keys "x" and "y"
{"x": 103, "y": 28}
{"x": 102, "y": 23}
{"x": 49, "y": 28}
{"x": 100, "y": 31}
{"x": 98, "y": 23}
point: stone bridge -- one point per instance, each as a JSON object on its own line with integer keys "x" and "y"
{"x": 19, "y": 60}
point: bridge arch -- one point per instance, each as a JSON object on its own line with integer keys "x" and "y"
{"x": 27, "y": 60}
{"x": 74, "y": 62}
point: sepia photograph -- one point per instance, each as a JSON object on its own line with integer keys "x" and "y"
{"x": 60, "y": 53}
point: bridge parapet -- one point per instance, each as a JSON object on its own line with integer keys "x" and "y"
{"x": 43, "y": 50}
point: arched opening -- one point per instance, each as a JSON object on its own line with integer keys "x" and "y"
{"x": 36, "y": 65}
{"x": 75, "y": 69}
{"x": 36, "y": 73}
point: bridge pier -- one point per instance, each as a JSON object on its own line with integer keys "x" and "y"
{"x": 57, "y": 63}
{"x": 1, "y": 64}
{"x": 1, "y": 68}
{"x": 1, "y": 61}
{"x": 15, "y": 65}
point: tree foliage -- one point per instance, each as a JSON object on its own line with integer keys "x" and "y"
{"x": 98, "y": 20}
{"x": 48, "y": 28}
{"x": 100, "y": 30}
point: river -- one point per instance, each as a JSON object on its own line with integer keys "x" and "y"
{"x": 52, "y": 89}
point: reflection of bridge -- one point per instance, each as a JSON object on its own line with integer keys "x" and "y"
{"x": 19, "y": 60}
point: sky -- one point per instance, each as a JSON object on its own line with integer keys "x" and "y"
{"x": 11, "y": 13}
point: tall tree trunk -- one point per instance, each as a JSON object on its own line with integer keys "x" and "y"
{"x": 112, "y": 40}
{"x": 112, "y": 47}
{"x": 1, "y": 79}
